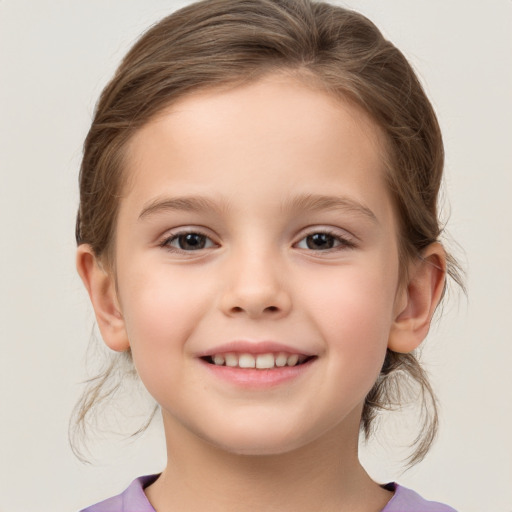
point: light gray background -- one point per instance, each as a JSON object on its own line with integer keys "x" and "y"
{"x": 55, "y": 57}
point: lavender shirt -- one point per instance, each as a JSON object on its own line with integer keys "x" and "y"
{"x": 133, "y": 499}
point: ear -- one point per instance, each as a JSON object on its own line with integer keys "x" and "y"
{"x": 100, "y": 285}
{"x": 418, "y": 300}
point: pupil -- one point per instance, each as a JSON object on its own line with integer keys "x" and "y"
{"x": 192, "y": 241}
{"x": 320, "y": 241}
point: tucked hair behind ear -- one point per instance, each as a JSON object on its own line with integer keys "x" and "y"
{"x": 220, "y": 42}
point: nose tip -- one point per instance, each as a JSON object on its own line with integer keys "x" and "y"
{"x": 255, "y": 295}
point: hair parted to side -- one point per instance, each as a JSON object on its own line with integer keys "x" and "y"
{"x": 222, "y": 42}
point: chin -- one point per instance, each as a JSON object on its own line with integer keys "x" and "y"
{"x": 258, "y": 444}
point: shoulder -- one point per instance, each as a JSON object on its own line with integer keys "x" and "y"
{"x": 132, "y": 496}
{"x": 406, "y": 500}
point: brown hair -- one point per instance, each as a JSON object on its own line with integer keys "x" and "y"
{"x": 217, "y": 42}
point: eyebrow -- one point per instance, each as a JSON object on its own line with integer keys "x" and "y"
{"x": 187, "y": 204}
{"x": 305, "y": 202}
{"x": 314, "y": 202}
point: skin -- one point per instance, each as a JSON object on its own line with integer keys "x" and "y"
{"x": 249, "y": 170}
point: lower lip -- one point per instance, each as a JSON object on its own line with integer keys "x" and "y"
{"x": 258, "y": 379}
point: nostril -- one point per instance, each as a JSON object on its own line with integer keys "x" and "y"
{"x": 268, "y": 309}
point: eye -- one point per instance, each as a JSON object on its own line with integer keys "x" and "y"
{"x": 324, "y": 241}
{"x": 189, "y": 241}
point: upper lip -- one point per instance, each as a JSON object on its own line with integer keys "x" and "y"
{"x": 254, "y": 347}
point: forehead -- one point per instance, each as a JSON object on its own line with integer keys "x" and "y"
{"x": 278, "y": 128}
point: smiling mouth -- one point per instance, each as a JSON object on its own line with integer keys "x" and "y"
{"x": 267, "y": 361}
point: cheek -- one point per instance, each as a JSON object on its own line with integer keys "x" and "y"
{"x": 359, "y": 299}
{"x": 158, "y": 321}
{"x": 355, "y": 317}
{"x": 160, "y": 311}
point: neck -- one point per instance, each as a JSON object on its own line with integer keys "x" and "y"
{"x": 323, "y": 476}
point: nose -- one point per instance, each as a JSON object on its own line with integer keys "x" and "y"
{"x": 255, "y": 286}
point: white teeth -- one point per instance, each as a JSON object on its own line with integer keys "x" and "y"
{"x": 246, "y": 361}
{"x": 265, "y": 361}
{"x": 292, "y": 360}
{"x": 281, "y": 359}
{"x": 218, "y": 359}
{"x": 231, "y": 360}
{"x": 260, "y": 361}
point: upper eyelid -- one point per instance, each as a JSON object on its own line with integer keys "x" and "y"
{"x": 330, "y": 230}
{"x": 343, "y": 242}
{"x": 172, "y": 234}
{"x": 334, "y": 231}
{"x": 183, "y": 230}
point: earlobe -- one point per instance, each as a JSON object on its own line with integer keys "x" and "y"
{"x": 418, "y": 300}
{"x": 101, "y": 288}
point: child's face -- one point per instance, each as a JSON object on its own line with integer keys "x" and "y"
{"x": 291, "y": 247}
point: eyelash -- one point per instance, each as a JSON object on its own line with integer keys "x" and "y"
{"x": 340, "y": 242}
{"x": 166, "y": 242}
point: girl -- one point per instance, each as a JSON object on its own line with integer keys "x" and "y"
{"x": 258, "y": 232}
